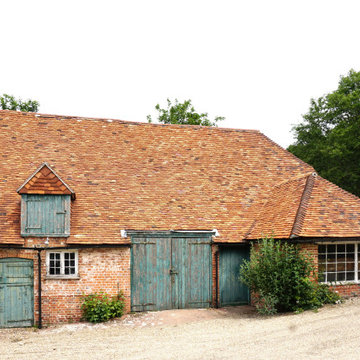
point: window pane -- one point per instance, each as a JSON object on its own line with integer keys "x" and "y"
{"x": 340, "y": 276}
{"x": 331, "y": 277}
{"x": 350, "y": 276}
{"x": 340, "y": 257}
{"x": 321, "y": 268}
{"x": 321, "y": 277}
{"x": 350, "y": 247}
{"x": 341, "y": 248}
{"x": 322, "y": 249}
{"x": 322, "y": 258}
{"x": 331, "y": 257}
{"x": 350, "y": 267}
{"x": 331, "y": 248}
{"x": 331, "y": 267}
{"x": 340, "y": 266}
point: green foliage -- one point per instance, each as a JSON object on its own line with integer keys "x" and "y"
{"x": 266, "y": 304}
{"x": 8, "y": 102}
{"x": 327, "y": 296}
{"x": 279, "y": 274}
{"x": 183, "y": 113}
{"x": 329, "y": 136}
{"x": 99, "y": 307}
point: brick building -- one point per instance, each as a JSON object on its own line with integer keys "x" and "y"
{"x": 164, "y": 213}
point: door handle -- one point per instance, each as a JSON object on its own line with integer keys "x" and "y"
{"x": 173, "y": 271}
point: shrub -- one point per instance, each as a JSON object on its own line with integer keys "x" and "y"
{"x": 279, "y": 274}
{"x": 327, "y": 296}
{"x": 100, "y": 307}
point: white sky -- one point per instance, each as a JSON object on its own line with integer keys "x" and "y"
{"x": 257, "y": 63}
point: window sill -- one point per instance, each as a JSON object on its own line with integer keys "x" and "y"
{"x": 62, "y": 277}
{"x": 337, "y": 283}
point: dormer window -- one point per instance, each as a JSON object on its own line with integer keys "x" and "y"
{"x": 45, "y": 205}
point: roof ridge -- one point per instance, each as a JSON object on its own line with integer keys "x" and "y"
{"x": 303, "y": 205}
{"x": 295, "y": 178}
{"x": 110, "y": 120}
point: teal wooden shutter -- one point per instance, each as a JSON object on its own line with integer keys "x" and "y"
{"x": 45, "y": 215}
{"x": 34, "y": 215}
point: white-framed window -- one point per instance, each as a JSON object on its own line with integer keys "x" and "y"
{"x": 62, "y": 264}
{"x": 339, "y": 262}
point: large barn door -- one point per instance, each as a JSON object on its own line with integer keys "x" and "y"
{"x": 16, "y": 292}
{"x": 191, "y": 273}
{"x": 170, "y": 272}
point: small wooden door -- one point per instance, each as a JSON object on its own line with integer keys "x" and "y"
{"x": 16, "y": 292}
{"x": 170, "y": 273}
{"x": 232, "y": 291}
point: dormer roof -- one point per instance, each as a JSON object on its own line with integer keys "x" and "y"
{"x": 45, "y": 181}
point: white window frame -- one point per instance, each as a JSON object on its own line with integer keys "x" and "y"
{"x": 62, "y": 274}
{"x": 356, "y": 260}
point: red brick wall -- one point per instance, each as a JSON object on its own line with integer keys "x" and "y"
{"x": 348, "y": 290}
{"x": 106, "y": 269}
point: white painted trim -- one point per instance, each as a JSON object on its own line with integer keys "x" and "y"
{"x": 62, "y": 274}
{"x": 356, "y": 261}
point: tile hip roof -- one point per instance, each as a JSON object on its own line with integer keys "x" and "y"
{"x": 141, "y": 176}
{"x": 308, "y": 206}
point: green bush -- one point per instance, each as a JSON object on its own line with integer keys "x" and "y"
{"x": 279, "y": 276}
{"x": 100, "y": 307}
{"x": 327, "y": 296}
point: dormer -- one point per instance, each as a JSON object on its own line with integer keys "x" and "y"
{"x": 45, "y": 204}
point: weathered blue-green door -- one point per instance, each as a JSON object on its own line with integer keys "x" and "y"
{"x": 232, "y": 291}
{"x": 170, "y": 272}
{"x": 16, "y": 292}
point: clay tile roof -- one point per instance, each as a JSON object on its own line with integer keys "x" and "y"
{"x": 45, "y": 181}
{"x": 142, "y": 176}
{"x": 308, "y": 206}
{"x": 277, "y": 216}
{"x": 331, "y": 212}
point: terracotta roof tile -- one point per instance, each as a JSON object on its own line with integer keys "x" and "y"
{"x": 45, "y": 181}
{"x": 277, "y": 216}
{"x": 141, "y": 176}
{"x": 331, "y": 212}
{"x": 309, "y": 206}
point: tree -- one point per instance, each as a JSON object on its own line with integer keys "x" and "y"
{"x": 8, "y": 102}
{"x": 329, "y": 136}
{"x": 183, "y": 113}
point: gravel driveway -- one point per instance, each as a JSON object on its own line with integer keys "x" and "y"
{"x": 228, "y": 333}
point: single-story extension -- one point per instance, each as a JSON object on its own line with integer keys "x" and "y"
{"x": 163, "y": 213}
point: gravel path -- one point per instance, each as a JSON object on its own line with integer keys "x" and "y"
{"x": 229, "y": 333}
